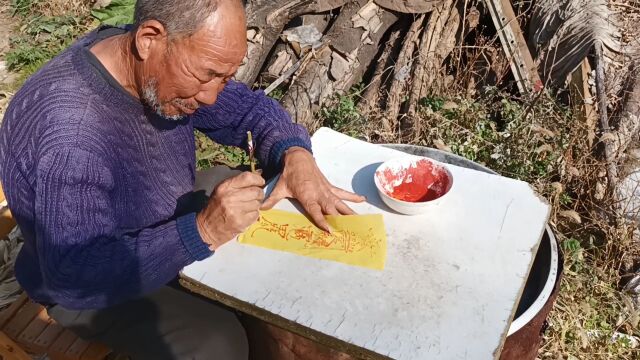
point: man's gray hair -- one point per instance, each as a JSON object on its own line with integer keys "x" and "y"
{"x": 180, "y": 18}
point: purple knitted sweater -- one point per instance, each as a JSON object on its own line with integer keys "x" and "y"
{"x": 95, "y": 179}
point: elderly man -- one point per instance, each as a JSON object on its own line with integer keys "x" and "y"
{"x": 98, "y": 162}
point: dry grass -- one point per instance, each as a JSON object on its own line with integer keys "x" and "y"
{"x": 62, "y": 7}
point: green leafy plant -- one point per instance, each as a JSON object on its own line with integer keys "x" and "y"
{"x": 42, "y": 38}
{"x": 209, "y": 154}
{"x": 118, "y": 12}
{"x": 342, "y": 113}
{"x": 21, "y": 7}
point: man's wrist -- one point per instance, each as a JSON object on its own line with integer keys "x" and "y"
{"x": 294, "y": 149}
{"x": 206, "y": 236}
{"x": 191, "y": 236}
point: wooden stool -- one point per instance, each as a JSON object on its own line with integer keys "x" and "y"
{"x": 28, "y": 324}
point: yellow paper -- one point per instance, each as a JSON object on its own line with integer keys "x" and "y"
{"x": 359, "y": 240}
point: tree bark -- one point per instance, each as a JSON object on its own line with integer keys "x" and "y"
{"x": 371, "y": 96}
{"x": 438, "y": 41}
{"x": 401, "y": 76}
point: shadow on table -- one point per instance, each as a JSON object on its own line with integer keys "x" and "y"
{"x": 363, "y": 184}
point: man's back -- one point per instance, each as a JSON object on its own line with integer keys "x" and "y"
{"x": 76, "y": 145}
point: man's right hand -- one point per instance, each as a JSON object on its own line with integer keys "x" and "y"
{"x": 232, "y": 208}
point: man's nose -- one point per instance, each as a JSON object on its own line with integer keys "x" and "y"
{"x": 209, "y": 93}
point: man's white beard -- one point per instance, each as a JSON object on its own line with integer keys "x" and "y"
{"x": 150, "y": 97}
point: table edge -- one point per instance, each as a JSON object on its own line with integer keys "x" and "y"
{"x": 279, "y": 321}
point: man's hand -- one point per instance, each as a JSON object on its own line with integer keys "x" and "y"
{"x": 302, "y": 180}
{"x": 232, "y": 208}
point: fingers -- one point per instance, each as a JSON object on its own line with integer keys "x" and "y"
{"x": 249, "y": 194}
{"x": 251, "y": 218}
{"x": 348, "y": 196}
{"x": 344, "y": 209}
{"x": 315, "y": 212}
{"x": 246, "y": 179}
{"x": 278, "y": 193}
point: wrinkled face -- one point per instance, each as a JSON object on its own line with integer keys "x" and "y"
{"x": 182, "y": 74}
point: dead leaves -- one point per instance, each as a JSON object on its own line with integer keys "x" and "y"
{"x": 571, "y": 215}
{"x": 441, "y": 145}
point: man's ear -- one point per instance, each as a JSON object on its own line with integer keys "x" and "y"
{"x": 149, "y": 36}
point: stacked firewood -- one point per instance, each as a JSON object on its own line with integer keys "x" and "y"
{"x": 312, "y": 50}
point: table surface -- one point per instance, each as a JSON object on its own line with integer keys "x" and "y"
{"x": 452, "y": 280}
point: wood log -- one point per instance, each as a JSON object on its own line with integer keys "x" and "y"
{"x": 266, "y": 19}
{"x": 437, "y": 42}
{"x": 409, "y": 6}
{"x": 629, "y": 124}
{"x": 283, "y": 55}
{"x": 401, "y": 75}
{"x": 606, "y": 138}
{"x": 371, "y": 96}
{"x": 351, "y": 45}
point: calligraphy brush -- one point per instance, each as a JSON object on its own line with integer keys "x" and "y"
{"x": 252, "y": 160}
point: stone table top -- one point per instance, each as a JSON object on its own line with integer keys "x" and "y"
{"x": 452, "y": 280}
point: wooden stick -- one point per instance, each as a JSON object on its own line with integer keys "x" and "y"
{"x": 515, "y": 46}
{"x": 601, "y": 92}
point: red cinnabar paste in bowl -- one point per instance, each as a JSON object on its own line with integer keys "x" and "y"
{"x": 408, "y": 184}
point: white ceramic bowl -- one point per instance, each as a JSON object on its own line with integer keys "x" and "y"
{"x": 411, "y": 185}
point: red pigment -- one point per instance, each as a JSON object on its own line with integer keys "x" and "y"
{"x": 422, "y": 181}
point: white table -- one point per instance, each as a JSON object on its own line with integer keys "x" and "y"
{"x": 450, "y": 287}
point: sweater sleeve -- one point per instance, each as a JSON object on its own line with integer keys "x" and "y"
{"x": 87, "y": 262}
{"x": 238, "y": 110}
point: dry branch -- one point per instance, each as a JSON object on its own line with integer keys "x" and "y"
{"x": 409, "y": 6}
{"x": 609, "y": 155}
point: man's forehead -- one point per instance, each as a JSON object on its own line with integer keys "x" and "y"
{"x": 221, "y": 36}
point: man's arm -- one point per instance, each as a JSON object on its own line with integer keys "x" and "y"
{"x": 86, "y": 262}
{"x": 238, "y": 110}
{"x": 282, "y": 146}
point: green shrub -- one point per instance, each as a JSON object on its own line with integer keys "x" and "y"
{"x": 118, "y": 12}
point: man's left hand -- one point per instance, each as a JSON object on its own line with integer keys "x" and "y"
{"x": 301, "y": 179}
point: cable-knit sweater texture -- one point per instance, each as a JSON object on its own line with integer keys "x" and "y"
{"x": 95, "y": 179}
